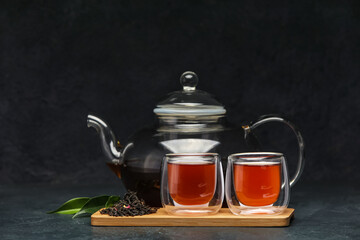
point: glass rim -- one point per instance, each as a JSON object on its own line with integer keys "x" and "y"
{"x": 256, "y": 155}
{"x": 191, "y": 154}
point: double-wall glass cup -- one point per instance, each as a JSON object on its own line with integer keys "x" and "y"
{"x": 257, "y": 183}
{"x": 192, "y": 184}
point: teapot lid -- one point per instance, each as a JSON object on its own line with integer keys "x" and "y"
{"x": 189, "y": 101}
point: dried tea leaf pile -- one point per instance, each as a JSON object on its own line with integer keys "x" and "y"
{"x": 130, "y": 205}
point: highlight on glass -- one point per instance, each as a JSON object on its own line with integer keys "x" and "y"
{"x": 257, "y": 183}
{"x": 192, "y": 183}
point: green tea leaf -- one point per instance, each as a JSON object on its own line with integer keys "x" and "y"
{"x": 91, "y": 206}
{"x": 111, "y": 201}
{"x": 72, "y": 206}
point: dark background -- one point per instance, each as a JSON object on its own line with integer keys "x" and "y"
{"x": 61, "y": 60}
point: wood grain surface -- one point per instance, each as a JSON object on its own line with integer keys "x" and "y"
{"x": 224, "y": 218}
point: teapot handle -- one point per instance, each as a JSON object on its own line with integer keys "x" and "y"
{"x": 274, "y": 118}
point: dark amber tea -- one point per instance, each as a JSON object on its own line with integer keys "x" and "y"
{"x": 257, "y": 183}
{"x": 115, "y": 167}
{"x": 191, "y": 183}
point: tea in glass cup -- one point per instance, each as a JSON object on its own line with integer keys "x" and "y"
{"x": 192, "y": 183}
{"x": 257, "y": 183}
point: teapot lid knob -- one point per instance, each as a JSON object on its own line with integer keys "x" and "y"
{"x": 189, "y": 80}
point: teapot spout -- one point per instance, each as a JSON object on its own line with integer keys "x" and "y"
{"x": 107, "y": 138}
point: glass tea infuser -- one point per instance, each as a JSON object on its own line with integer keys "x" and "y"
{"x": 188, "y": 121}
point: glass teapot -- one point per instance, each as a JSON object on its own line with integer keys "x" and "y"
{"x": 188, "y": 121}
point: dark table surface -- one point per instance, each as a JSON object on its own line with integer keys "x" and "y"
{"x": 322, "y": 211}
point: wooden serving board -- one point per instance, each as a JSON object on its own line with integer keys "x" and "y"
{"x": 224, "y": 218}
